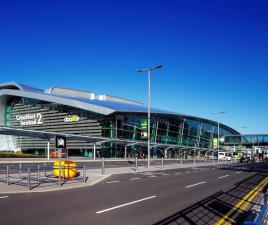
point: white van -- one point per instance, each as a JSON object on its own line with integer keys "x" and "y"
{"x": 225, "y": 156}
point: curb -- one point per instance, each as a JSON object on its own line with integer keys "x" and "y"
{"x": 56, "y": 189}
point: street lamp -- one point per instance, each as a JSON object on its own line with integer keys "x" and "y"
{"x": 148, "y": 70}
{"x": 218, "y": 120}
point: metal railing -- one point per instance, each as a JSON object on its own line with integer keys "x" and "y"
{"x": 262, "y": 217}
{"x": 34, "y": 176}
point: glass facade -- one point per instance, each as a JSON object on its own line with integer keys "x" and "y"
{"x": 178, "y": 130}
{"x": 164, "y": 129}
{"x": 246, "y": 140}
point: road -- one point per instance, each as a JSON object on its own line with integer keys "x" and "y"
{"x": 181, "y": 196}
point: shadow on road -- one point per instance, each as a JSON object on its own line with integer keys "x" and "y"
{"x": 261, "y": 167}
{"x": 213, "y": 208}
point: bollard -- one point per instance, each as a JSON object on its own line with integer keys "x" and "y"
{"x": 136, "y": 164}
{"x": 44, "y": 167}
{"x": 194, "y": 158}
{"x": 29, "y": 177}
{"x": 38, "y": 173}
{"x": 181, "y": 160}
{"x": 162, "y": 163}
{"x": 59, "y": 173}
{"x": 20, "y": 170}
{"x": 102, "y": 167}
{"x": 7, "y": 175}
{"x": 84, "y": 173}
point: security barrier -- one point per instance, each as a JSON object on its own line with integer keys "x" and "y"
{"x": 67, "y": 169}
{"x": 62, "y": 172}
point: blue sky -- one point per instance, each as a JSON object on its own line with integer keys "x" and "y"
{"x": 214, "y": 52}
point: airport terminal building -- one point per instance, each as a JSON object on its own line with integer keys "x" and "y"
{"x": 67, "y": 111}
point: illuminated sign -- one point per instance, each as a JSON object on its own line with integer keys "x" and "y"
{"x": 30, "y": 119}
{"x": 144, "y": 128}
{"x": 72, "y": 118}
{"x": 215, "y": 142}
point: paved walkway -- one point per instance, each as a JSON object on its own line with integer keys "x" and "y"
{"x": 20, "y": 184}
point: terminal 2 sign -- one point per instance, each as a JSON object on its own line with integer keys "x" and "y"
{"x": 30, "y": 119}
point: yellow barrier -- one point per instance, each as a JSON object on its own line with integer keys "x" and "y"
{"x": 66, "y": 169}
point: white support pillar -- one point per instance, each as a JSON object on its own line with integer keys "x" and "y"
{"x": 48, "y": 150}
{"x": 94, "y": 152}
{"x": 125, "y": 152}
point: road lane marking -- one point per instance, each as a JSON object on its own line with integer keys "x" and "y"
{"x": 114, "y": 181}
{"x": 177, "y": 173}
{"x": 165, "y": 174}
{"x": 135, "y": 178}
{"x": 238, "y": 172}
{"x": 224, "y": 176}
{"x": 196, "y": 184}
{"x": 152, "y": 176}
{"x": 126, "y": 204}
{"x": 4, "y": 197}
{"x": 242, "y": 204}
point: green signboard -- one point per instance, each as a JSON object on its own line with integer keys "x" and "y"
{"x": 144, "y": 128}
{"x": 215, "y": 142}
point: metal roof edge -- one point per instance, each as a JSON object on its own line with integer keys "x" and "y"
{"x": 57, "y": 99}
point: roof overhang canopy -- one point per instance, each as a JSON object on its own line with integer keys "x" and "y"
{"x": 91, "y": 139}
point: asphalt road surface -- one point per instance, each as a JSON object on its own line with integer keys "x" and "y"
{"x": 181, "y": 196}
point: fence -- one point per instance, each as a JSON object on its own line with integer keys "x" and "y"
{"x": 40, "y": 175}
{"x": 262, "y": 217}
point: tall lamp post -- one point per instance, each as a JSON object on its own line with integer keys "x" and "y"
{"x": 218, "y": 141}
{"x": 148, "y": 70}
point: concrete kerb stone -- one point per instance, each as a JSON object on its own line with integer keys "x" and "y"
{"x": 19, "y": 189}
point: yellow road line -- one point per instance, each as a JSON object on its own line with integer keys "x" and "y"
{"x": 246, "y": 202}
{"x": 250, "y": 196}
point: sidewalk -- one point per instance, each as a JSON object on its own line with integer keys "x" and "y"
{"x": 47, "y": 183}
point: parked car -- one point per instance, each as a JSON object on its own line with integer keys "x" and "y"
{"x": 225, "y": 156}
{"x": 55, "y": 154}
{"x": 247, "y": 159}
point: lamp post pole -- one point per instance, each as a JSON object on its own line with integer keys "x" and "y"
{"x": 218, "y": 141}
{"x": 149, "y": 118}
{"x": 148, "y": 70}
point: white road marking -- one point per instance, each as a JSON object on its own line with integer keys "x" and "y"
{"x": 196, "y": 184}
{"x": 224, "y": 176}
{"x": 238, "y": 172}
{"x": 114, "y": 181}
{"x": 135, "y": 178}
{"x": 152, "y": 176}
{"x": 126, "y": 204}
{"x": 3, "y": 196}
{"x": 177, "y": 173}
{"x": 165, "y": 174}
{"x": 147, "y": 173}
